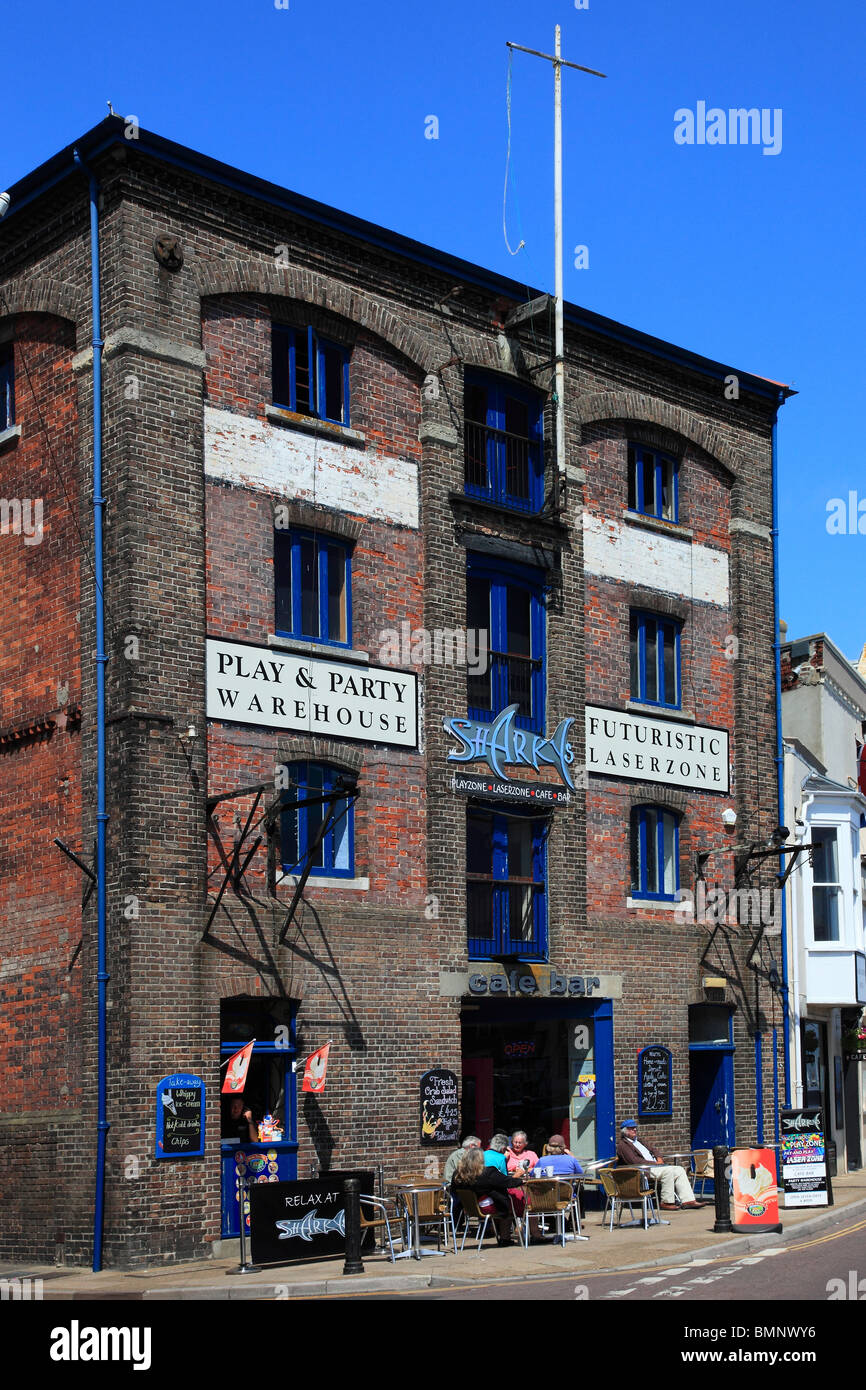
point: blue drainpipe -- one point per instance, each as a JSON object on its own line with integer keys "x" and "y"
{"x": 101, "y": 660}
{"x": 780, "y": 768}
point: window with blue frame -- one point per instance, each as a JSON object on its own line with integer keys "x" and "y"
{"x": 7, "y": 391}
{"x": 506, "y": 888}
{"x": 333, "y": 854}
{"x": 504, "y": 444}
{"x": 655, "y": 853}
{"x": 312, "y": 587}
{"x": 654, "y": 657}
{"x": 653, "y": 483}
{"x": 310, "y": 374}
{"x": 506, "y": 602}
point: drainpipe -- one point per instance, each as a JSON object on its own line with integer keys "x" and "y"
{"x": 101, "y": 660}
{"x": 780, "y": 764}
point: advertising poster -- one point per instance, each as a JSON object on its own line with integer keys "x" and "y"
{"x": 755, "y": 1205}
{"x": 440, "y": 1114}
{"x": 803, "y": 1159}
{"x": 180, "y": 1116}
{"x": 300, "y": 1220}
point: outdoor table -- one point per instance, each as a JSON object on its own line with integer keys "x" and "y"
{"x": 414, "y": 1190}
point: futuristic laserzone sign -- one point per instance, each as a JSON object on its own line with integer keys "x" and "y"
{"x": 656, "y": 750}
{"x": 279, "y": 690}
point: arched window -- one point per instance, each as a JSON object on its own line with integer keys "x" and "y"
{"x": 655, "y": 853}
{"x": 506, "y": 884}
{"x": 332, "y": 852}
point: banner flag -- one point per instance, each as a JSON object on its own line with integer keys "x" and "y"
{"x": 239, "y": 1065}
{"x": 316, "y": 1069}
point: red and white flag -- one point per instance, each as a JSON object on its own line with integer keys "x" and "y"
{"x": 316, "y": 1069}
{"x": 236, "y": 1074}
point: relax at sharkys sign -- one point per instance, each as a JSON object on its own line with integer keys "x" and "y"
{"x": 282, "y": 690}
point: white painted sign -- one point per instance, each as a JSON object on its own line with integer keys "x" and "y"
{"x": 656, "y": 750}
{"x": 282, "y": 690}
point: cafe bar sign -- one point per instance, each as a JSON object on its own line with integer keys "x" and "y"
{"x": 621, "y": 744}
{"x": 277, "y": 689}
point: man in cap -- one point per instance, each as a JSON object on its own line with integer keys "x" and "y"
{"x": 675, "y": 1186}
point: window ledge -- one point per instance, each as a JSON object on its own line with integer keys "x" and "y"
{"x": 10, "y": 436}
{"x": 659, "y": 711}
{"x": 359, "y": 885}
{"x": 321, "y": 649}
{"x": 325, "y": 429}
{"x": 655, "y": 523}
{"x": 652, "y": 904}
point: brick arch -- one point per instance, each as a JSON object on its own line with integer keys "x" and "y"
{"x": 310, "y": 287}
{"x": 631, "y": 405}
{"x": 45, "y": 296}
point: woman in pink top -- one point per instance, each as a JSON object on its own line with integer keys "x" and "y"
{"x": 518, "y": 1156}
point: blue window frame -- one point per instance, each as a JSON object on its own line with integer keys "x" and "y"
{"x": 506, "y": 601}
{"x": 334, "y": 856}
{"x": 506, "y": 885}
{"x": 312, "y": 587}
{"x": 7, "y": 389}
{"x": 504, "y": 444}
{"x": 653, "y": 483}
{"x": 310, "y": 374}
{"x": 654, "y": 658}
{"x": 655, "y": 853}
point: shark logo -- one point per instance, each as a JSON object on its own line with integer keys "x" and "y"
{"x": 312, "y": 1225}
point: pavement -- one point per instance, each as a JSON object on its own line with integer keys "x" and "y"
{"x": 689, "y": 1236}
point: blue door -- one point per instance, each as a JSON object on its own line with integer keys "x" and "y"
{"x": 711, "y": 1085}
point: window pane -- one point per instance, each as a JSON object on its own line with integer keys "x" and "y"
{"x": 475, "y": 403}
{"x": 516, "y": 417}
{"x": 337, "y": 624}
{"x": 652, "y": 853}
{"x": 652, "y": 659}
{"x": 648, "y": 469}
{"x": 331, "y": 387}
{"x": 283, "y": 581}
{"x": 479, "y": 860}
{"x": 302, "y": 373}
{"x": 519, "y": 849}
{"x": 634, "y": 655}
{"x": 825, "y": 913}
{"x": 670, "y": 694}
{"x": 668, "y": 861}
{"x": 478, "y": 620}
{"x": 309, "y": 587}
{"x": 518, "y": 609}
{"x": 824, "y": 856}
{"x": 635, "y": 852}
{"x": 340, "y": 836}
{"x": 315, "y": 814}
{"x": 280, "y": 367}
{"x": 632, "y": 479}
{"x": 667, "y": 475}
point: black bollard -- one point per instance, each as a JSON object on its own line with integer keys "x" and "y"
{"x": 352, "y": 1198}
{"x": 720, "y": 1188}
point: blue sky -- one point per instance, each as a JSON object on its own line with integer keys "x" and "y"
{"x": 754, "y": 259}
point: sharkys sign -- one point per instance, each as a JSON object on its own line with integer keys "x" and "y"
{"x": 500, "y": 744}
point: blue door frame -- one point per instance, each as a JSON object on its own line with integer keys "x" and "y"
{"x": 711, "y": 1092}
{"x": 271, "y": 1162}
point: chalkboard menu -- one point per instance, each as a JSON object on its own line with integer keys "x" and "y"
{"x": 180, "y": 1116}
{"x": 439, "y": 1110}
{"x": 654, "y": 1081}
{"x": 300, "y": 1220}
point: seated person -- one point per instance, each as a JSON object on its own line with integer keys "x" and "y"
{"x": 238, "y": 1123}
{"x": 494, "y": 1155}
{"x": 486, "y": 1181}
{"x": 674, "y": 1185}
{"x": 470, "y": 1142}
{"x": 519, "y": 1156}
{"x": 556, "y": 1162}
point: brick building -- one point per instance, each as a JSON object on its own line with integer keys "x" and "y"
{"x": 326, "y": 469}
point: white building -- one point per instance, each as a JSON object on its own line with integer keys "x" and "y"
{"x": 823, "y": 723}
